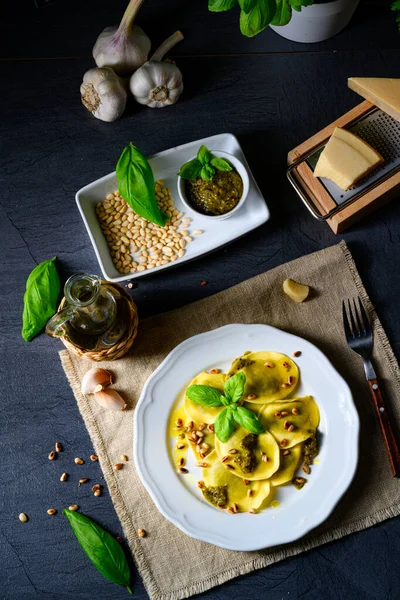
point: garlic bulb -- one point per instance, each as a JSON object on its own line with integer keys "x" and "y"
{"x": 158, "y": 84}
{"x": 110, "y": 399}
{"x": 95, "y": 380}
{"x": 103, "y": 94}
{"x": 125, "y": 47}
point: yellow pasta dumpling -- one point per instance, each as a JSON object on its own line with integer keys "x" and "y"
{"x": 289, "y": 463}
{"x": 249, "y": 456}
{"x": 205, "y": 414}
{"x": 270, "y": 376}
{"x": 291, "y": 421}
{"x": 223, "y": 488}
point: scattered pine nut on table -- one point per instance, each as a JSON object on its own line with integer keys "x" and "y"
{"x": 135, "y": 244}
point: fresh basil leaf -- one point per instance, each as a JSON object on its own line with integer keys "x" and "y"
{"x": 221, "y": 5}
{"x": 204, "y": 395}
{"x": 40, "y": 298}
{"x": 136, "y": 185}
{"x": 247, "y": 5}
{"x": 207, "y": 173}
{"x": 190, "y": 170}
{"x": 221, "y": 164}
{"x": 101, "y": 548}
{"x": 234, "y": 387}
{"x": 258, "y": 18}
{"x": 224, "y": 425}
{"x": 283, "y": 13}
{"x": 247, "y": 419}
{"x": 204, "y": 155}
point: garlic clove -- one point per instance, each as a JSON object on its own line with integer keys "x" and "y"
{"x": 110, "y": 399}
{"x": 95, "y": 380}
{"x": 103, "y": 93}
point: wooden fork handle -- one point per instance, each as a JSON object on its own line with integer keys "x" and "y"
{"x": 392, "y": 448}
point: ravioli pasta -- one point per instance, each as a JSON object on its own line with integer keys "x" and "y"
{"x": 243, "y": 473}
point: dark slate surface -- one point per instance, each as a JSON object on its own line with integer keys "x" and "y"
{"x": 272, "y": 94}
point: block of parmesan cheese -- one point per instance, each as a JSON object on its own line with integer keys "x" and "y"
{"x": 383, "y": 92}
{"x": 346, "y": 158}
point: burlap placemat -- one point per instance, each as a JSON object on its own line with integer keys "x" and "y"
{"x": 171, "y": 564}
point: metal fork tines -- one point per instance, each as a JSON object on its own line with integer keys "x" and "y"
{"x": 358, "y": 333}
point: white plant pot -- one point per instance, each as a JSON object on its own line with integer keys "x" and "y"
{"x": 318, "y": 22}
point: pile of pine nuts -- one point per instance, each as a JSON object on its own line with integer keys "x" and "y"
{"x": 129, "y": 234}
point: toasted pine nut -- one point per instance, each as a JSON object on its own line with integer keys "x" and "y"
{"x": 124, "y": 457}
{"x": 58, "y": 447}
{"x": 52, "y": 455}
{"x": 94, "y": 457}
{"x": 23, "y": 517}
{"x": 73, "y": 507}
{"x": 141, "y": 533}
{"x": 79, "y": 461}
{"x": 118, "y": 466}
{"x": 51, "y": 511}
{"x": 64, "y": 477}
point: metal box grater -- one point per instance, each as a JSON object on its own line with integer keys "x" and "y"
{"x": 323, "y": 198}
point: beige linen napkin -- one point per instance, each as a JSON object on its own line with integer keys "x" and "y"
{"x": 171, "y": 564}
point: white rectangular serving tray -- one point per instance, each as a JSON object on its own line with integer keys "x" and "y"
{"x": 166, "y": 165}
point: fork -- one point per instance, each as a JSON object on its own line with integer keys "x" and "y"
{"x": 359, "y": 337}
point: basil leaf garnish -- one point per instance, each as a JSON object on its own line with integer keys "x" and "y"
{"x": 234, "y": 387}
{"x": 206, "y": 174}
{"x": 40, "y": 298}
{"x": 190, "y": 170}
{"x": 221, "y": 164}
{"x": 204, "y": 395}
{"x": 258, "y": 18}
{"x": 283, "y": 13}
{"x": 101, "y": 548}
{"x": 224, "y": 425}
{"x": 204, "y": 156}
{"x": 247, "y": 419}
{"x": 221, "y": 5}
{"x": 136, "y": 185}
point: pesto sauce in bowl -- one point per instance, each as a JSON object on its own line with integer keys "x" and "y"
{"x": 216, "y": 197}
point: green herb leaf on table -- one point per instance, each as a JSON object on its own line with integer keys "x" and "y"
{"x": 224, "y": 425}
{"x": 204, "y": 156}
{"x": 40, "y": 298}
{"x": 234, "y": 387}
{"x": 191, "y": 169}
{"x": 221, "y": 5}
{"x": 247, "y": 419}
{"x": 136, "y": 185}
{"x": 101, "y": 548}
{"x": 221, "y": 164}
{"x": 259, "y": 17}
{"x": 205, "y": 395}
{"x": 283, "y": 13}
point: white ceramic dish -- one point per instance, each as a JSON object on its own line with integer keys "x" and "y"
{"x": 165, "y": 166}
{"x": 240, "y": 168}
{"x": 176, "y": 495}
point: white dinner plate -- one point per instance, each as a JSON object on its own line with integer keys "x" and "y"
{"x": 177, "y": 496}
{"x": 166, "y": 165}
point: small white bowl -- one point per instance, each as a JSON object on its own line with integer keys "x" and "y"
{"x": 240, "y": 168}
